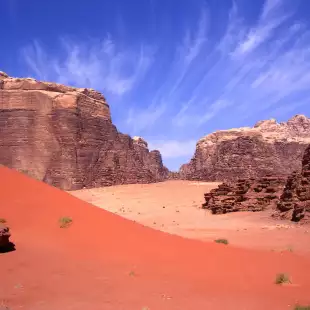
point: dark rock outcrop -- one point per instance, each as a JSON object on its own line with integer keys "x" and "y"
{"x": 245, "y": 195}
{"x": 294, "y": 202}
{"x": 4, "y": 237}
{"x": 64, "y": 136}
{"x": 269, "y": 148}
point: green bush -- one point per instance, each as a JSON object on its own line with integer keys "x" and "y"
{"x": 302, "y": 307}
{"x": 224, "y": 241}
{"x": 282, "y": 278}
{"x": 132, "y": 273}
{"x": 65, "y": 222}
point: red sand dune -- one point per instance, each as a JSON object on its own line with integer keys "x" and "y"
{"x": 103, "y": 261}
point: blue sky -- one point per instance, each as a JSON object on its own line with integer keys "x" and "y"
{"x": 171, "y": 70}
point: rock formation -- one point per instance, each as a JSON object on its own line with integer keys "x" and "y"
{"x": 245, "y": 195}
{"x": 4, "y": 237}
{"x": 173, "y": 175}
{"x": 269, "y": 148}
{"x": 294, "y": 202}
{"x": 65, "y": 137}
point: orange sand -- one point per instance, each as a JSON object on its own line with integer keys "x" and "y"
{"x": 103, "y": 261}
{"x": 175, "y": 207}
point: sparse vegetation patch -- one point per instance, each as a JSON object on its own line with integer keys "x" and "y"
{"x": 132, "y": 273}
{"x": 302, "y": 307}
{"x": 3, "y": 306}
{"x": 2, "y": 220}
{"x": 65, "y": 222}
{"x": 224, "y": 241}
{"x": 282, "y": 278}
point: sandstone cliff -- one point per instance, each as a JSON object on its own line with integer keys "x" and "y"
{"x": 245, "y": 195}
{"x": 269, "y": 148}
{"x": 294, "y": 202}
{"x": 65, "y": 137}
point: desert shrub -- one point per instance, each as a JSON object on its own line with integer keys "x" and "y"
{"x": 2, "y": 220}
{"x": 65, "y": 222}
{"x": 302, "y": 307}
{"x": 224, "y": 241}
{"x": 3, "y": 306}
{"x": 282, "y": 278}
{"x": 132, "y": 273}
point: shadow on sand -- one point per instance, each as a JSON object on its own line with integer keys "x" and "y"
{"x": 9, "y": 248}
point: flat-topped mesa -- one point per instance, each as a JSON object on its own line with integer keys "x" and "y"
{"x": 267, "y": 148}
{"x": 64, "y": 136}
{"x": 21, "y": 92}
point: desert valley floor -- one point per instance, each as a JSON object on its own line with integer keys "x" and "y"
{"x": 175, "y": 207}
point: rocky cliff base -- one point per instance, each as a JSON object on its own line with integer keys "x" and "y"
{"x": 288, "y": 198}
{"x": 244, "y": 195}
{"x": 294, "y": 203}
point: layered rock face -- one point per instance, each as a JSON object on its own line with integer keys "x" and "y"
{"x": 64, "y": 136}
{"x": 244, "y": 195}
{"x": 294, "y": 203}
{"x": 269, "y": 148}
{"x": 173, "y": 175}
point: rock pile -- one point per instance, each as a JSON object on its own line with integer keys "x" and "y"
{"x": 294, "y": 202}
{"x": 245, "y": 195}
{"x": 4, "y": 237}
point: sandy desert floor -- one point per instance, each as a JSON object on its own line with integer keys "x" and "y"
{"x": 175, "y": 207}
{"x": 104, "y": 261}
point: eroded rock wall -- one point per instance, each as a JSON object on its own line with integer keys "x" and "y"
{"x": 294, "y": 202}
{"x": 65, "y": 137}
{"x": 269, "y": 148}
{"x": 245, "y": 195}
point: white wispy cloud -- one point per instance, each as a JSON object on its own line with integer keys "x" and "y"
{"x": 250, "y": 69}
{"x": 268, "y": 22}
{"x": 173, "y": 148}
{"x": 269, "y": 7}
{"x": 215, "y": 108}
{"x": 269, "y": 66}
{"x": 97, "y": 64}
{"x": 247, "y": 70}
{"x": 36, "y": 59}
{"x": 193, "y": 43}
{"x": 189, "y": 50}
{"x": 141, "y": 118}
{"x": 186, "y": 53}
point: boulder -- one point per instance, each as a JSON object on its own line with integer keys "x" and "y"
{"x": 4, "y": 237}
